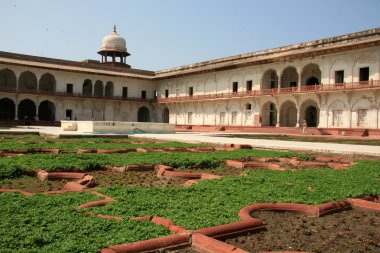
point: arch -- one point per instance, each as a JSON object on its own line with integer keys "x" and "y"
{"x": 269, "y": 114}
{"x": 7, "y": 79}
{"x": 26, "y": 110}
{"x": 98, "y": 89}
{"x": 7, "y": 109}
{"x": 312, "y": 81}
{"x": 311, "y": 75}
{"x": 288, "y": 114}
{"x": 109, "y": 89}
{"x": 87, "y": 87}
{"x": 46, "y": 111}
{"x": 47, "y": 83}
{"x": 311, "y": 116}
{"x": 165, "y": 115}
{"x": 269, "y": 79}
{"x": 289, "y": 77}
{"x": 27, "y": 81}
{"x": 143, "y": 114}
{"x": 310, "y": 112}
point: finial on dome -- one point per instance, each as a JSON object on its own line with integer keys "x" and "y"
{"x": 114, "y": 28}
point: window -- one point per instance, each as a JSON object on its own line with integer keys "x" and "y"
{"x": 362, "y": 118}
{"x": 273, "y": 80}
{"x": 143, "y": 94}
{"x": 189, "y": 118}
{"x": 222, "y": 118}
{"x": 248, "y": 106}
{"x": 363, "y": 74}
{"x": 69, "y": 114}
{"x": 155, "y": 94}
{"x": 235, "y": 87}
{"x": 234, "y": 118}
{"x": 337, "y": 118}
{"x": 191, "y": 91}
{"x": 339, "y": 76}
{"x": 125, "y": 92}
{"x": 69, "y": 88}
{"x": 249, "y": 85}
{"x": 166, "y": 93}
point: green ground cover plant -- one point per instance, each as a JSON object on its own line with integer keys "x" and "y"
{"x": 33, "y": 142}
{"x": 218, "y": 202}
{"x": 53, "y": 224}
{"x": 11, "y": 167}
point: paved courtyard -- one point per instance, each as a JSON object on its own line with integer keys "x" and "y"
{"x": 216, "y": 138}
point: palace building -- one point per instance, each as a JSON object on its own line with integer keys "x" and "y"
{"x": 331, "y": 83}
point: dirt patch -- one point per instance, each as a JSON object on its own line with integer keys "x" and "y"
{"x": 134, "y": 178}
{"x": 347, "y": 231}
{"x": 33, "y": 184}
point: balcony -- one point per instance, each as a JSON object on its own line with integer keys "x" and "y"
{"x": 72, "y": 95}
{"x": 320, "y": 88}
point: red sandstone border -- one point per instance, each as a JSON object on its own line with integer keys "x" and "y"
{"x": 168, "y": 171}
{"x": 125, "y": 150}
{"x": 257, "y": 162}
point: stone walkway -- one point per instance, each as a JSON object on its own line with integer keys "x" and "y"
{"x": 268, "y": 144}
{"x": 216, "y": 138}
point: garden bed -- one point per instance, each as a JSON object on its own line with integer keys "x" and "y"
{"x": 143, "y": 205}
{"x": 347, "y": 231}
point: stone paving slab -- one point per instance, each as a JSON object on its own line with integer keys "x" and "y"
{"x": 216, "y": 138}
{"x": 268, "y": 144}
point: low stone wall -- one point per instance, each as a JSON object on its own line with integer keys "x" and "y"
{"x": 116, "y": 126}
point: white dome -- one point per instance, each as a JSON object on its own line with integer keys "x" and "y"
{"x": 114, "y": 42}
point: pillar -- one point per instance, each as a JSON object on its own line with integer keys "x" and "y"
{"x": 349, "y": 117}
{"x": 278, "y": 117}
{"x": 298, "y": 117}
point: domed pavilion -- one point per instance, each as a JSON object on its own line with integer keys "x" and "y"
{"x": 114, "y": 46}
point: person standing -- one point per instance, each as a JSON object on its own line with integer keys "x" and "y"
{"x": 304, "y": 127}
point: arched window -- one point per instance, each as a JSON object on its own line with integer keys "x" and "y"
{"x": 311, "y": 75}
{"x": 7, "y": 79}
{"x": 47, "y": 83}
{"x": 165, "y": 115}
{"x": 289, "y": 77}
{"x": 46, "y": 111}
{"x": 27, "y": 81}
{"x": 7, "y": 109}
{"x": 269, "y": 80}
{"x": 109, "y": 89}
{"x": 98, "y": 89}
{"x": 143, "y": 115}
{"x": 87, "y": 87}
{"x": 26, "y": 110}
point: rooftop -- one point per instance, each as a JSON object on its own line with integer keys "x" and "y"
{"x": 347, "y": 42}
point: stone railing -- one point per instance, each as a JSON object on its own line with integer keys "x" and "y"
{"x": 373, "y": 84}
{"x": 71, "y": 95}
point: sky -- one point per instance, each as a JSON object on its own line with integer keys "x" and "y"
{"x": 161, "y": 34}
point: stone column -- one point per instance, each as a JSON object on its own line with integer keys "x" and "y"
{"x": 298, "y": 117}
{"x": 349, "y": 117}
